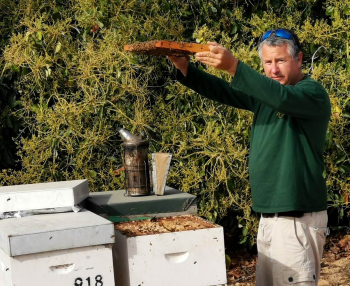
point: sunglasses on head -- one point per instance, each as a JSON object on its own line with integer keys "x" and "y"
{"x": 279, "y": 33}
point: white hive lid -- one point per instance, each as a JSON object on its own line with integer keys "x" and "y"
{"x": 50, "y": 232}
{"x": 43, "y": 195}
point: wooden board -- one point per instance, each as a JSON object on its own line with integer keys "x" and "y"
{"x": 166, "y": 48}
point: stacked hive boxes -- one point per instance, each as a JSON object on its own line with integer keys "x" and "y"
{"x": 56, "y": 248}
{"x": 63, "y": 247}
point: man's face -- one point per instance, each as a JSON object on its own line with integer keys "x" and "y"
{"x": 280, "y": 66}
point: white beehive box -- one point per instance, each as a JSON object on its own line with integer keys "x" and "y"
{"x": 56, "y": 250}
{"x": 185, "y": 258}
{"x": 43, "y": 195}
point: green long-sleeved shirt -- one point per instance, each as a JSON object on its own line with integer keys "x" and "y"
{"x": 287, "y": 137}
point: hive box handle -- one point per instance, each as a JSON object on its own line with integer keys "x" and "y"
{"x": 62, "y": 269}
{"x": 178, "y": 257}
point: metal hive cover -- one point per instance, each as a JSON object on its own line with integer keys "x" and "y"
{"x": 115, "y": 204}
{"x": 43, "y": 233}
{"x": 43, "y": 195}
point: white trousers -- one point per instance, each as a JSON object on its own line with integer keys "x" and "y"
{"x": 290, "y": 249}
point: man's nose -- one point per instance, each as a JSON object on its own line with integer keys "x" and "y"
{"x": 275, "y": 69}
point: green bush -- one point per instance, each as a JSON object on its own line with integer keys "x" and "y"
{"x": 70, "y": 85}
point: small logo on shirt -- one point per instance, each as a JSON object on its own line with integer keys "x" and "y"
{"x": 280, "y": 114}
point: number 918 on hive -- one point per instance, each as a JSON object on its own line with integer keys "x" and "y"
{"x": 88, "y": 281}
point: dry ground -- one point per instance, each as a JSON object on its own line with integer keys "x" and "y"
{"x": 335, "y": 265}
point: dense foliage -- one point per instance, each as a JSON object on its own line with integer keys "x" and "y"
{"x": 66, "y": 85}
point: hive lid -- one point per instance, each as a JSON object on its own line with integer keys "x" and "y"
{"x": 43, "y": 195}
{"x": 115, "y": 204}
{"x": 43, "y": 233}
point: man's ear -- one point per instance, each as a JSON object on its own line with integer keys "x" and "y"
{"x": 300, "y": 58}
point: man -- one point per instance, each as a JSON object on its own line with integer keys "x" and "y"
{"x": 291, "y": 115}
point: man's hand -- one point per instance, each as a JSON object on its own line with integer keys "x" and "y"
{"x": 218, "y": 57}
{"x": 181, "y": 63}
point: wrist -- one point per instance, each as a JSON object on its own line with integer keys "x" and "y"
{"x": 233, "y": 68}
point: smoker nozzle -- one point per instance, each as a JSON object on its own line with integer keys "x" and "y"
{"x": 128, "y": 136}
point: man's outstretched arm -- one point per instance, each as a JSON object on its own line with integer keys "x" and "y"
{"x": 211, "y": 86}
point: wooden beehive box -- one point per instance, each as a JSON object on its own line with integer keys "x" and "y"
{"x": 172, "y": 251}
{"x": 166, "y": 48}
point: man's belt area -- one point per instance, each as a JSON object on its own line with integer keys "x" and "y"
{"x": 287, "y": 214}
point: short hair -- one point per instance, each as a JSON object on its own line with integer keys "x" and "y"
{"x": 273, "y": 40}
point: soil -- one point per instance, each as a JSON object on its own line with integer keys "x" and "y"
{"x": 162, "y": 225}
{"x": 148, "y": 48}
{"x": 335, "y": 266}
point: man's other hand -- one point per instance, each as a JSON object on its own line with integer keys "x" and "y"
{"x": 218, "y": 57}
{"x": 181, "y": 63}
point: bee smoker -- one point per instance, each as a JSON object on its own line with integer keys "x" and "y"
{"x": 137, "y": 178}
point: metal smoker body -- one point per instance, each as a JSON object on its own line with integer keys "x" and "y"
{"x": 137, "y": 178}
